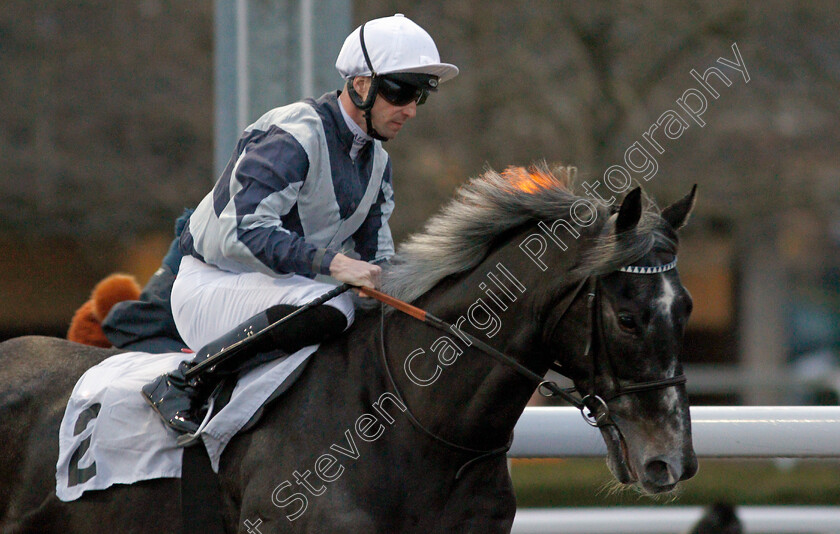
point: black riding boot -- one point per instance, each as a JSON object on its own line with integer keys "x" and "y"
{"x": 180, "y": 402}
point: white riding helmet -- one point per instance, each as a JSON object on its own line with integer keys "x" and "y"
{"x": 401, "y": 59}
{"x": 394, "y": 45}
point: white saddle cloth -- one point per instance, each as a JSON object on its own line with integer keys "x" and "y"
{"x": 109, "y": 435}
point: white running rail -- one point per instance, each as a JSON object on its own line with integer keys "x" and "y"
{"x": 719, "y": 432}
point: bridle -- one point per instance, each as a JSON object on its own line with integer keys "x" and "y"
{"x": 592, "y": 404}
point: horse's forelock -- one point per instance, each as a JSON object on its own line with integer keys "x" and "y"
{"x": 612, "y": 251}
{"x": 459, "y": 237}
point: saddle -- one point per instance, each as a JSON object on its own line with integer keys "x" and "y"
{"x": 109, "y": 435}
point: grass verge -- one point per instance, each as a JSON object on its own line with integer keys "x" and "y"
{"x": 588, "y": 482}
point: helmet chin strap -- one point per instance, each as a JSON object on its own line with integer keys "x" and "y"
{"x": 366, "y": 104}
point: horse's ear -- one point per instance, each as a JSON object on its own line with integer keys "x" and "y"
{"x": 677, "y": 214}
{"x": 630, "y": 211}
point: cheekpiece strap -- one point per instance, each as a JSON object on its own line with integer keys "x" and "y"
{"x": 649, "y": 269}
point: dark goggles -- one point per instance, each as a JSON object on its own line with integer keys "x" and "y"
{"x": 400, "y": 91}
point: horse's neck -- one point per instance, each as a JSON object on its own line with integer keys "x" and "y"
{"x": 474, "y": 400}
{"x": 471, "y": 401}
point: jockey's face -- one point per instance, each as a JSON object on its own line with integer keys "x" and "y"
{"x": 387, "y": 119}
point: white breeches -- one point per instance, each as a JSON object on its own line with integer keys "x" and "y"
{"x": 208, "y": 302}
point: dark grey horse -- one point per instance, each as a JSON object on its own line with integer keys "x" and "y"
{"x": 372, "y": 436}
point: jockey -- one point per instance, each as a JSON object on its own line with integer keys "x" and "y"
{"x": 303, "y": 204}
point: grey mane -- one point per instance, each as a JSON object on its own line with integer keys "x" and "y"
{"x": 459, "y": 237}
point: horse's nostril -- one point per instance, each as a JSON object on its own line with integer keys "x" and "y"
{"x": 690, "y": 467}
{"x": 658, "y": 472}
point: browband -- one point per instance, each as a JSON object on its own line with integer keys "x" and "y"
{"x": 649, "y": 269}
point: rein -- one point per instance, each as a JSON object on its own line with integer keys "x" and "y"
{"x": 481, "y": 454}
{"x": 593, "y": 406}
{"x": 442, "y": 325}
{"x": 428, "y": 318}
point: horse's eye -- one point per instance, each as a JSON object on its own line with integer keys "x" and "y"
{"x": 626, "y": 321}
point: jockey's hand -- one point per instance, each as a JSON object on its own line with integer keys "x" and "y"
{"x": 355, "y": 272}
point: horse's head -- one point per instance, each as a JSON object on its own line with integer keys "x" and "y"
{"x": 622, "y": 351}
{"x": 633, "y": 324}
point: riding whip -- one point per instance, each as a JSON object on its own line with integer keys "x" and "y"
{"x": 231, "y": 351}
